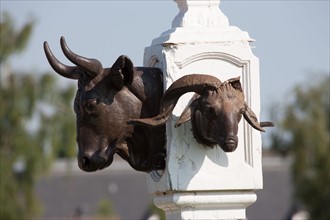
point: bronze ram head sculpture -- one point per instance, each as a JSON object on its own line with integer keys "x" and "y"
{"x": 215, "y": 110}
{"x": 106, "y": 99}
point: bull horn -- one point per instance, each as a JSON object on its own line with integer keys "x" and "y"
{"x": 91, "y": 65}
{"x": 64, "y": 70}
{"x": 190, "y": 83}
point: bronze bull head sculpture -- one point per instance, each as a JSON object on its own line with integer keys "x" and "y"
{"x": 215, "y": 110}
{"x": 105, "y": 100}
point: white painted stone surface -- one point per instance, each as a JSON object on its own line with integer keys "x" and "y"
{"x": 201, "y": 41}
{"x": 205, "y": 205}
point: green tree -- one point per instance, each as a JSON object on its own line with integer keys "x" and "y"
{"x": 303, "y": 131}
{"x": 12, "y": 41}
{"x": 35, "y": 127}
{"x": 105, "y": 209}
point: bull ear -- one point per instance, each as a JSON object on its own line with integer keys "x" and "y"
{"x": 186, "y": 114}
{"x": 122, "y": 72}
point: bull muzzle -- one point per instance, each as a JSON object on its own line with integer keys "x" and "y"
{"x": 98, "y": 160}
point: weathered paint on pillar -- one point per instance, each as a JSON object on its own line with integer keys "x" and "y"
{"x": 200, "y": 182}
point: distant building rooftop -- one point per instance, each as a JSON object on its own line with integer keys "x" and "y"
{"x": 67, "y": 190}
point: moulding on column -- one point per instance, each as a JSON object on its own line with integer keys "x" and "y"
{"x": 200, "y": 21}
{"x": 206, "y": 205}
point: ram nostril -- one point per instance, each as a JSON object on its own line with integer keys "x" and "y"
{"x": 230, "y": 141}
{"x": 230, "y": 144}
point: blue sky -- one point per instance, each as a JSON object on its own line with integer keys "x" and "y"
{"x": 292, "y": 37}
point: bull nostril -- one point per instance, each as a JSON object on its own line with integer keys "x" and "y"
{"x": 91, "y": 162}
{"x": 86, "y": 163}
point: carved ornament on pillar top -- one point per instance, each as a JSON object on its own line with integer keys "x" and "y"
{"x": 200, "y": 21}
{"x": 204, "y": 13}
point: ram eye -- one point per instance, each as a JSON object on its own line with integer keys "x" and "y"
{"x": 210, "y": 111}
{"x": 241, "y": 111}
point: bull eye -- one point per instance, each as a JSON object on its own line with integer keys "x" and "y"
{"x": 91, "y": 104}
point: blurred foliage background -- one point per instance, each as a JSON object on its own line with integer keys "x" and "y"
{"x": 36, "y": 125}
{"x": 303, "y": 132}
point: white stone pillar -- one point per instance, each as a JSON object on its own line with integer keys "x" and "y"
{"x": 201, "y": 182}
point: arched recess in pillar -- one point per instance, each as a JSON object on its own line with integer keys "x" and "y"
{"x": 244, "y": 65}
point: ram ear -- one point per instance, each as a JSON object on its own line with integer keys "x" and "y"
{"x": 122, "y": 72}
{"x": 235, "y": 83}
{"x": 187, "y": 112}
{"x": 251, "y": 118}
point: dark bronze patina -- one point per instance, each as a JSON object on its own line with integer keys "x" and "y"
{"x": 215, "y": 110}
{"x": 106, "y": 99}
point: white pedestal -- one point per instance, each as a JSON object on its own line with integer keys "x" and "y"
{"x": 205, "y": 205}
{"x": 200, "y": 182}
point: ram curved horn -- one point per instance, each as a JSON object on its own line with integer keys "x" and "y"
{"x": 190, "y": 83}
{"x": 188, "y": 111}
{"x": 92, "y": 66}
{"x": 64, "y": 70}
